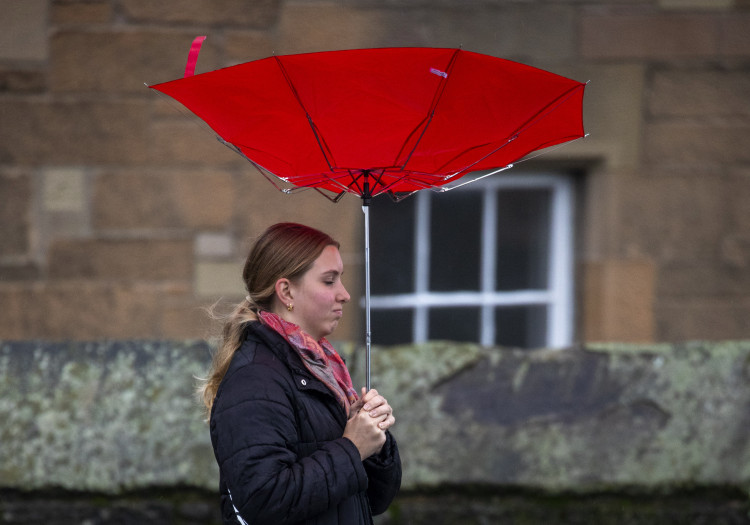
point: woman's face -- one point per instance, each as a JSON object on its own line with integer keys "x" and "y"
{"x": 319, "y": 295}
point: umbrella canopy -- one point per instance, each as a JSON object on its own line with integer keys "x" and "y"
{"x": 404, "y": 118}
{"x": 373, "y": 121}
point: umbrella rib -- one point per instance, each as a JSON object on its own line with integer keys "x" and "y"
{"x": 433, "y": 106}
{"x": 265, "y": 172}
{"x": 538, "y": 116}
{"x": 324, "y": 149}
{"x": 405, "y": 175}
{"x": 546, "y": 110}
{"x": 378, "y": 182}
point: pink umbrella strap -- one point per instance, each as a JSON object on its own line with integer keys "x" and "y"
{"x": 193, "y": 56}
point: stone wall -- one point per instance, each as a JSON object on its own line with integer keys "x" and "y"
{"x": 112, "y": 200}
{"x": 111, "y": 433}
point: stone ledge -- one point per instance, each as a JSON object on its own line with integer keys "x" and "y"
{"x": 120, "y": 416}
{"x": 102, "y": 417}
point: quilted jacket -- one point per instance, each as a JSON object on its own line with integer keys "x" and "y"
{"x": 277, "y": 437}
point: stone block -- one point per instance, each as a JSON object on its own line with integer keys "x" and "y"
{"x": 735, "y": 34}
{"x": 183, "y": 317}
{"x": 244, "y": 46}
{"x": 157, "y": 199}
{"x": 491, "y": 29}
{"x": 219, "y": 279}
{"x": 303, "y": 27}
{"x": 690, "y": 142}
{"x": 663, "y": 214}
{"x": 79, "y": 310}
{"x": 700, "y": 93}
{"x": 23, "y": 30}
{"x": 618, "y": 300}
{"x": 735, "y": 251}
{"x": 698, "y": 5}
{"x": 688, "y": 279}
{"x": 81, "y": 13}
{"x": 214, "y": 245}
{"x": 16, "y": 206}
{"x": 103, "y": 417}
{"x": 613, "y": 416}
{"x": 64, "y": 190}
{"x": 22, "y": 271}
{"x": 600, "y": 204}
{"x": 204, "y": 13}
{"x": 702, "y": 318}
{"x": 648, "y": 36}
{"x": 121, "y": 61}
{"x": 739, "y": 196}
{"x": 189, "y": 141}
{"x": 76, "y": 132}
{"x": 22, "y": 80}
{"x": 121, "y": 260}
{"x": 612, "y": 114}
{"x": 482, "y": 28}
{"x": 64, "y": 209}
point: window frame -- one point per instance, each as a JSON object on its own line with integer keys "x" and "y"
{"x": 558, "y": 297}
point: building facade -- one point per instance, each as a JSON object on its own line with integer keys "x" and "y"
{"x": 123, "y": 217}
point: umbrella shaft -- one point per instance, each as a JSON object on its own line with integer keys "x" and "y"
{"x": 368, "y": 334}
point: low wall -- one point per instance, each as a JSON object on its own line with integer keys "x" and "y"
{"x": 108, "y": 432}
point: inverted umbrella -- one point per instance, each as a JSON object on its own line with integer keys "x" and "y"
{"x": 374, "y": 121}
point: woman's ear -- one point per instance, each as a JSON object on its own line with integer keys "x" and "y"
{"x": 284, "y": 291}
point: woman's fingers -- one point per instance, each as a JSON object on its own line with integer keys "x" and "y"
{"x": 356, "y": 406}
{"x": 387, "y": 422}
{"x": 371, "y": 398}
{"x": 378, "y": 408}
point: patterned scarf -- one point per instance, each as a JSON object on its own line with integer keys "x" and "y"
{"x": 319, "y": 357}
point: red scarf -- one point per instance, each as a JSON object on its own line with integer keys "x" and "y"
{"x": 319, "y": 357}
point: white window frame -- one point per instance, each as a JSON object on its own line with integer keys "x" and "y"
{"x": 558, "y": 297}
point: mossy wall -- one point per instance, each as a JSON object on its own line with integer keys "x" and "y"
{"x": 107, "y": 432}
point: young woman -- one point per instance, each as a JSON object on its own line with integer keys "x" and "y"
{"x": 294, "y": 441}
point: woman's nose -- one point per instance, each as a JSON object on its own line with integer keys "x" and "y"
{"x": 344, "y": 295}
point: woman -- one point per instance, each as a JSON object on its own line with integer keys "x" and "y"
{"x": 293, "y": 440}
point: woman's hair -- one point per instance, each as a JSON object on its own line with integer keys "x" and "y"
{"x": 285, "y": 250}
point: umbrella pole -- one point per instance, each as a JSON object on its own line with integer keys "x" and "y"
{"x": 366, "y": 197}
{"x": 368, "y": 334}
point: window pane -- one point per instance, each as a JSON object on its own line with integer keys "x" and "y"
{"x": 391, "y": 327}
{"x": 522, "y": 239}
{"x": 454, "y": 324}
{"x": 521, "y": 326}
{"x": 392, "y": 246}
{"x": 455, "y": 241}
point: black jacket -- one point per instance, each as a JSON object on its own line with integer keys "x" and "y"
{"x": 277, "y": 437}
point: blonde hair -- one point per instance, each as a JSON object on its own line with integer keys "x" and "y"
{"x": 284, "y": 250}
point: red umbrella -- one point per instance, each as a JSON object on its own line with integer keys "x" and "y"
{"x": 373, "y": 121}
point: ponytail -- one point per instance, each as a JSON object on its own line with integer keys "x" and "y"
{"x": 231, "y": 339}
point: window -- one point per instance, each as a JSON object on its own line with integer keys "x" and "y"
{"x": 490, "y": 262}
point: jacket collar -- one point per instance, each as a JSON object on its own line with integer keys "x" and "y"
{"x": 303, "y": 379}
{"x": 257, "y": 331}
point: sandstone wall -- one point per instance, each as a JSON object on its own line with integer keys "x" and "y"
{"x": 112, "y": 200}
{"x": 602, "y": 434}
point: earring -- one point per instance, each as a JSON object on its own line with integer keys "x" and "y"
{"x": 290, "y": 307}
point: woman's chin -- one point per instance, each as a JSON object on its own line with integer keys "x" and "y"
{"x": 332, "y": 327}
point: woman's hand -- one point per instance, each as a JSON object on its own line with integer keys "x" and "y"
{"x": 378, "y": 408}
{"x": 369, "y": 417}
